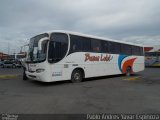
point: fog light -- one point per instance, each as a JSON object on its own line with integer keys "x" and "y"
{"x": 40, "y": 70}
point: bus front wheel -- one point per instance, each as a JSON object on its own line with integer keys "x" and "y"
{"x": 76, "y": 76}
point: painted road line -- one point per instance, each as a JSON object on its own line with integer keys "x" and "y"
{"x": 132, "y": 78}
{"x": 156, "y": 65}
{"x": 8, "y": 76}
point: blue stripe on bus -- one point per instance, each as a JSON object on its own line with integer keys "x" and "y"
{"x": 120, "y": 59}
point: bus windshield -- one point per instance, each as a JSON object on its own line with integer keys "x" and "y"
{"x": 36, "y": 55}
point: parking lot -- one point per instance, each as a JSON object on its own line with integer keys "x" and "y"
{"x": 112, "y": 94}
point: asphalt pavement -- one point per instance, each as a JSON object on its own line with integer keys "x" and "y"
{"x": 112, "y": 94}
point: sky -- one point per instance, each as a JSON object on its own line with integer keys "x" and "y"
{"x": 136, "y": 21}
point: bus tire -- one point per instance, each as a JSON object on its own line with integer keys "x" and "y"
{"x": 76, "y": 76}
{"x": 128, "y": 71}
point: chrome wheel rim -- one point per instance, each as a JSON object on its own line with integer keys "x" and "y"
{"x": 77, "y": 76}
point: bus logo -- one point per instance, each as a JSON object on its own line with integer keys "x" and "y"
{"x": 102, "y": 57}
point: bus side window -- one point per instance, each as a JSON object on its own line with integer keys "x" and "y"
{"x": 86, "y": 44}
{"x": 114, "y": 48}
{"x": 117, "y": 49}
{"x": 79, "y": 44}
{"x": 75, "y": 44}
{"x": 96, "y": 45}
{"x": 104, "y": 46}
{"x": 136, "y": 50}
{"x": 126, "y": 49}
{"x": 111, "y": 47}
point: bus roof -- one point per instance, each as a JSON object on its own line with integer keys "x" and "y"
{"x": 92, "y": 36}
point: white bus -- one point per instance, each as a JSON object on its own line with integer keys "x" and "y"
{"x": 152, "y": 56}
{"x": 63, "y": 55}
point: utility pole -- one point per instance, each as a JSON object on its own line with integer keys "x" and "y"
{"x": 8, "y": 48}
{"x": 14, "y": 52}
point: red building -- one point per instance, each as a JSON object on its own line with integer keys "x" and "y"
{"x": 3, "y": 56}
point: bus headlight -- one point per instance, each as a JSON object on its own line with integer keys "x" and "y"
{"x": 40, "y": 70}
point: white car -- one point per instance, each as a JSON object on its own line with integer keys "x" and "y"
{"x": 1, "y": 62}
{"x": 13, "y": 64}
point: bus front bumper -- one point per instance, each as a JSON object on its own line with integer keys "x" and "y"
{"x": 36, "y": 76}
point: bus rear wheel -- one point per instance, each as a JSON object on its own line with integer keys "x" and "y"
{"x": 128, "y": 71}
{"x": 76, "y": 76}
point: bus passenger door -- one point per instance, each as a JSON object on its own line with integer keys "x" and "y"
{"x": 58, "y": 47}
